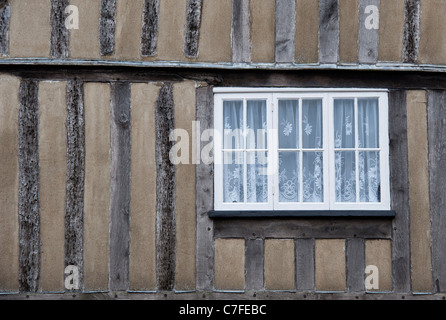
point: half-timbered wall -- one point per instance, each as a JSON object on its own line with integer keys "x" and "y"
{"x": 86, "y": 117}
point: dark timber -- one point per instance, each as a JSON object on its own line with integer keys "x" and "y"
{"x": 107, "y": 27}
{"x": 255, "y": 252}
{"x": 60, "y": 36}
{"x": 165, "y": 190}
{"x": 120, "y": 186}
{"x": 399, "y": 190}
{"x": 304, "y": 264}
{"x": 193, "y": 25}
{"x": 149, "y": 36}
{"x": 367, "y": 38}
{"x": 28, "y": 206}
{"x": 285, "y": 30}
{"x": 74, "y": 206}
{"x": 241, "y": 41}
{"x": 411, "y": 33}
{"x": 437, "y": 177}
{"x": 355, "y": 264}
{"x": 5, "y": 16}
{"x": 328, "y": 31}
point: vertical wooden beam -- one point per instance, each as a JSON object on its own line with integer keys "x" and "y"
{"x": 305, "y": 264}
{"x": 5, "y": 15}
{"x": 368, "y": 36}
{"x": 399, "y": 190}
{"x": 120, "y": 186}
{"x": 355, "y": 264}
{"x": 107, "y": 27}
{"x": 149, "y": 37}
{"x": 165, "y": 190}
{"x": 436, "y": 101}
{"x": 411, "y": 33}
{"x": 205, "y": 195}
{"x": 193, "y": 25}
{"x": 254, "y": 265}
{"x": 328, "y": 31}
{"x": 285, "y": 30}
{"x": 60, "y": 35}
{"x": 74, "y": 207}
{"x": 53, "y": 172}
{"x": 29, "y": 209}
{"x": 241, "y": 38}
{"x": 9, "y": 240}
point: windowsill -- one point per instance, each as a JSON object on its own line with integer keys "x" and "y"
{"x": 301, "y": 214}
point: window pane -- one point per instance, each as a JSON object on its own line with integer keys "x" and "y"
{"x": 344, "y": 123}
{"x": 313, "y": 188}
{"x": 345, "y": 176}
{"x": 368, "y": 123}
{"x": 288, "y": 124}
{"x": 369, "y": 177}
{"x": 256, "y": 125}
{"x": 257, "y": 177}
{"x": 233, "y": 125}
{"x": 312, "y": 124}
{"x": 233, "y": 177}
{"x": 289, "y": 170}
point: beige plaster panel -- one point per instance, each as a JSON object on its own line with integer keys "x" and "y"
{"x": 9, "y": 106}
{"x": 433, "y": 32}
{"x": 419, "y": 192}
{"x": 185, "y": 212}
{"x": 263, "y": 24}
{"x": 229, "y": 264}
{"x": 30, "y": 30}
{"x": 53, "y": 170}
{"x": 143, "y": 187}
{"x": 391, "y": 23}
{"x": 279, "y": 264}
{"x": 97, "y": 185}
{"x": 348, "y": 30}
{"x": 307, "y": 28}
{"x": 379, "y": 253}
{"x": 215, "y": 33}
{"x": 84, "y": 42}
{"x": 172, "y": 20}
{"x": 330, "y": 272}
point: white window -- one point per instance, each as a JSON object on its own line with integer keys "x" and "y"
{"x": 286, "y": 149}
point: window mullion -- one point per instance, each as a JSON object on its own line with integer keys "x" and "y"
{"x": 357, "y": 149}
{"x": 301, "y": 155}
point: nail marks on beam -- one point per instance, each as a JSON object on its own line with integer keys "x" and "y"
{"x": 29, "y": 209}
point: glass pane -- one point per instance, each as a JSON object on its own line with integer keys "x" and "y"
{"x": 312, "y": 124}
{"x": 257, "y": 177}
{"x": 368, "y": 123}
{"x": 233, "y": 125}
{"x": 288, "y": 124}
{"x": 233, "y": 177}
{"x": 369, "y": 177}
{"x": 256, "y": 125}
{"x": 289, "y": 170}
{"x": 313, "y": 182}
{"x": 345, "y": 176}
{"x": 344, "y": 123}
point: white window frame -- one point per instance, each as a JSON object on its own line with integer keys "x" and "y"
{"x": 272, "y": 95}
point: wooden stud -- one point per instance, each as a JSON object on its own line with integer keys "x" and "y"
{"x": 120, "y": 186}
{"x": 368, "y": 32}
{"x": 411, "y": 33}
{"x": 107, "y": 27}
{"x": 285, "y": 30}
{"x": 241, "y": 39}
{"x": 328, "y": 31}
{"x": 149, "y": 37}
{"x": 304, "y": 264}
{"x": 254, "y": 264}
{"x": 60, "y": 35}
{"x": 355, "y": 264}
{"x": 5, "y": 15}
{"x": 193, "y": 25}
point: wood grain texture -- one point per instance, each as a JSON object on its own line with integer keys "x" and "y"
{"x": 254, "y": 264}
{"x": 305, "y": 264}
{"x": 149, "y": 36}
{"x": 74, "y": 197}
{"x": 355, "y": 264}
{"x": 328, "y": 31}
{"x": 367, "y": 38}
{"x": 107, "y": 26}
{"x": 241, "y": 38}
{"x": 28, "y": 197}
{"x": 165, "y": 189}
{"x": 285, "y": 30}
{"x": 120, "y": 128}
{"x": 411, "y": 32}
{"x": 5, "y": 16}
{"x": 399, "y": 190}
{"x": 193, "y": 25}
{"x": 60, "y": 35}
{"x": 204, "y": 194}
{"x": 436, "y": 101}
